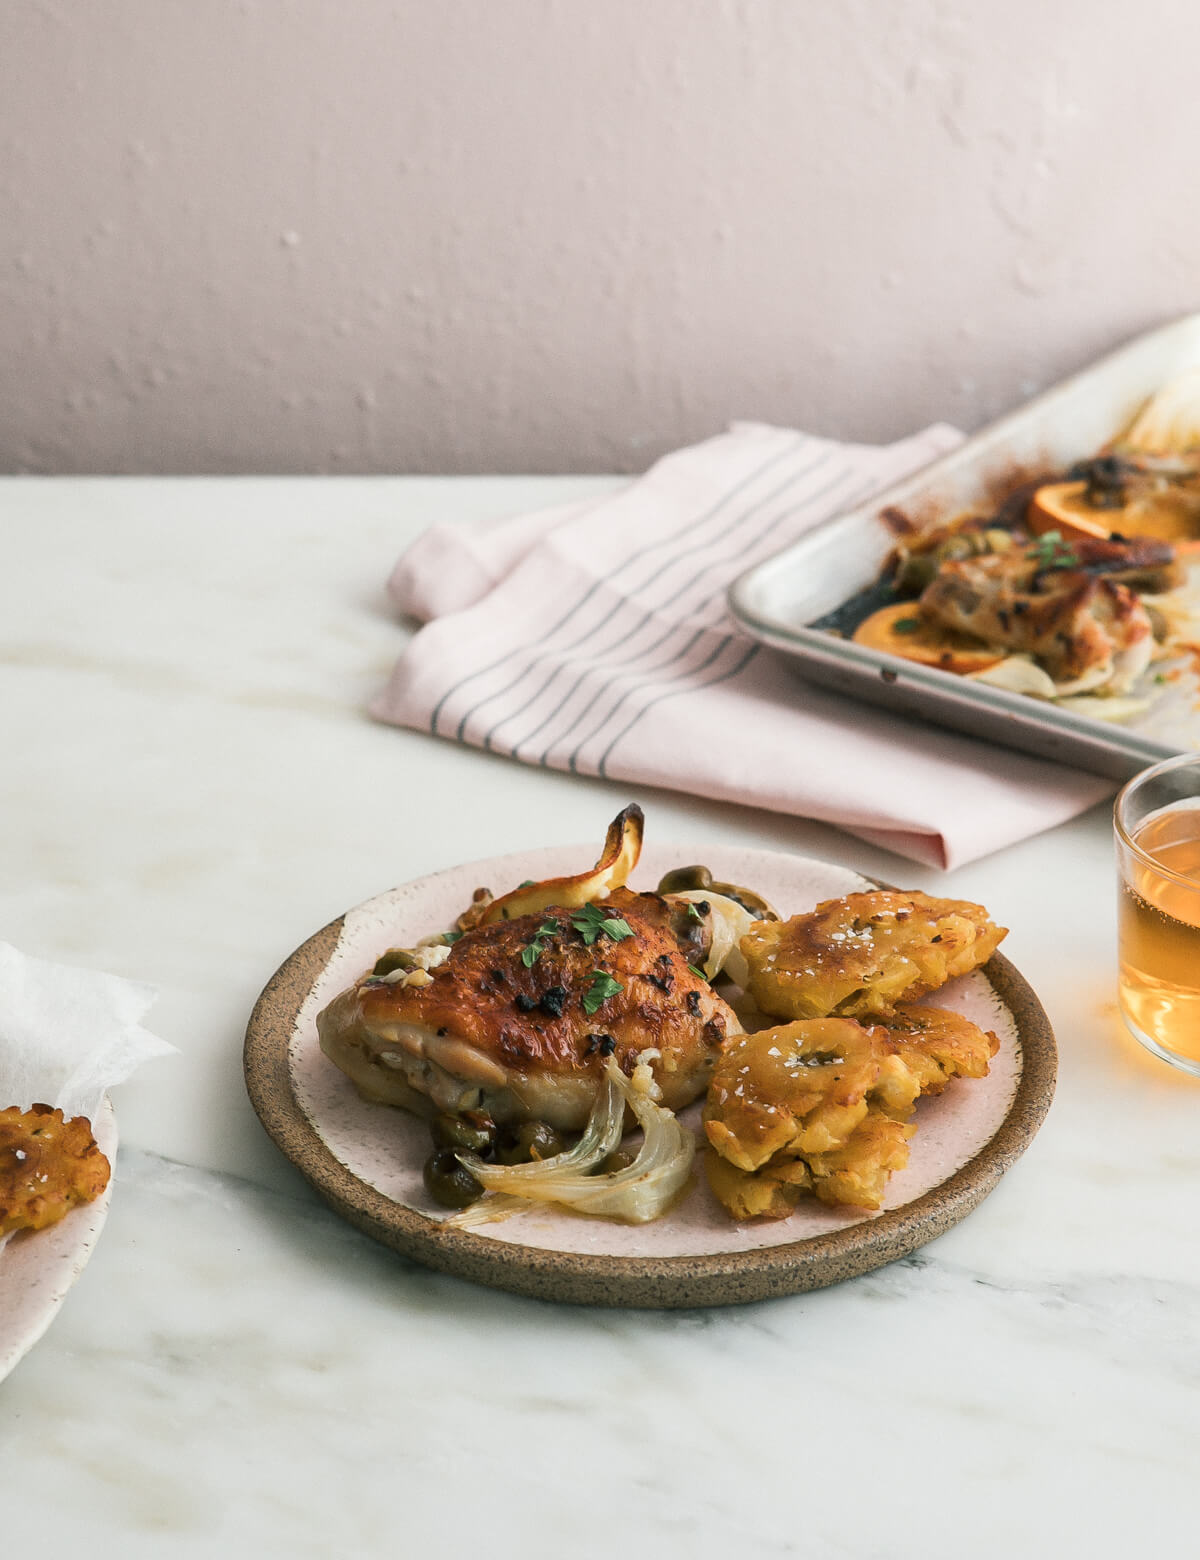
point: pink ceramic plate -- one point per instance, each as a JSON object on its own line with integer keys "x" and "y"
{"x": 366, "y": 1159}
{"x": 37, "y": 1268}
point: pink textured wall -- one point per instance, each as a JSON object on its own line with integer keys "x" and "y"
{"x": 373, "y": 235}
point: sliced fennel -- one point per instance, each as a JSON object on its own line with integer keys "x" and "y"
{"x": 730, "y": 923}
{"x": 1169, "y": 423}
{"x": 641, "y": 1192}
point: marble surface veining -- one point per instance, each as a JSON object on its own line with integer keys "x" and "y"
{"x": 188, "y": 789}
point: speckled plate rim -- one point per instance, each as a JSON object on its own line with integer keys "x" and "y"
{"x": 720, "y": 1278}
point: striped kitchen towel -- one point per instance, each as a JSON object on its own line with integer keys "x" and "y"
{"x": 594, "y": 638}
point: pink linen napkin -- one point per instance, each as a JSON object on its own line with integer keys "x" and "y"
{"x": 594, "y": 638}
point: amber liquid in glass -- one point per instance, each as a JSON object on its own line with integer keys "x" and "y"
{"x": 1160, "y": 932}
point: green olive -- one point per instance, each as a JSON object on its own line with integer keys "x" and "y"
{"x": 619, "y": 1159}
{"x": 915, "y": 573}
{"x": 395, "y": 959}
{"x": 470, "y": 1130}
{"x": 682, "y": 879}
{"x": 448, "y": 1182}
{"x": 961, "y": 545}
{"x": 532, "y": 1140}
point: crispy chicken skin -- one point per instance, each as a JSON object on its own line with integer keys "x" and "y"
{"x": 489, "y": 1032}
{"x": 47, "y": 1166}
{"x": 1080, "y": 624}
{"x": 863, "y": 953}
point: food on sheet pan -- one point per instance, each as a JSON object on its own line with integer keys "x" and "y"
{"x": 48, "y": 1165}
{"x": 554, "y": 1018}
{"x": 900, "y": 630}
{"x": 1082, "y": 588}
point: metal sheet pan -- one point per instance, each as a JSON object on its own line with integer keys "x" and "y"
{"x": 782, "y": 600}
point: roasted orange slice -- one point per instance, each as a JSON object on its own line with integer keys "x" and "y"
{"x": 1063, "y": 507}
{"x": 901, "y": 630}
{"x": 1170, "y": 513}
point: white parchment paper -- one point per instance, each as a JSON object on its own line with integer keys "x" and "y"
{"x": 67, "y": 1035}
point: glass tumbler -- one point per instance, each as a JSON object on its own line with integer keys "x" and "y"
{"x": 1157, "y": 825}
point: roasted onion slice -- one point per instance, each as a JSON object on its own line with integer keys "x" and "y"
{"x": 730, "y": 921}
{"x": 622, "y": 847}
{"x": 640, "y": 1192}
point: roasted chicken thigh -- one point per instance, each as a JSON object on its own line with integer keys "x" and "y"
{"x": 517, "y": 1019}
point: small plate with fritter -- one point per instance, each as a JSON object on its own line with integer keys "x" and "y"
{"x": 39, "y": 1266}
{"x": 366, "y": 1158}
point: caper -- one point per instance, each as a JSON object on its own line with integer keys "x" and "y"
{"x": 448, "y": 1182}
{"x": 915, "y": 573}
{"x": 532, "y": 1140}
{"x": 395, "y": 959}
{"x": 692, "y": 925}
{"x": 961, "y": 545}
{"x": 681, "y": 879}
{"x": 619, "y": 1159}
{"x": 470, "y": 1130}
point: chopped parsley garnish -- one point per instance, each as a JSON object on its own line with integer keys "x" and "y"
{"x": 536, "y": 946}
{"x": 528, "y": 883}
{"x": 906, "y": 625}
{"x": 591, "y": 920}
{"x": 1051, "y": 552}
{"x": 451, "y": 937}
{"x": 693, "y": 913}
{"x": 603, "y": 986}
{"x": 695, "y": 971}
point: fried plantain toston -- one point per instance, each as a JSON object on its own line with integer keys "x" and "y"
{"x": 861, "y": 954}
{"x": 48, "y": 1165}
{"x": 823, "y": 1105}
{"x": 801, "y": 1088}
{"x": 857, "y": 1173}
{"x": 817, "y": 1106}
{"x": 769, "y": 1193}
{"x": 936, "y": 1044}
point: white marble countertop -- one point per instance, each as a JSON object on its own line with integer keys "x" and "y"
{"x": 188, "y": 788}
